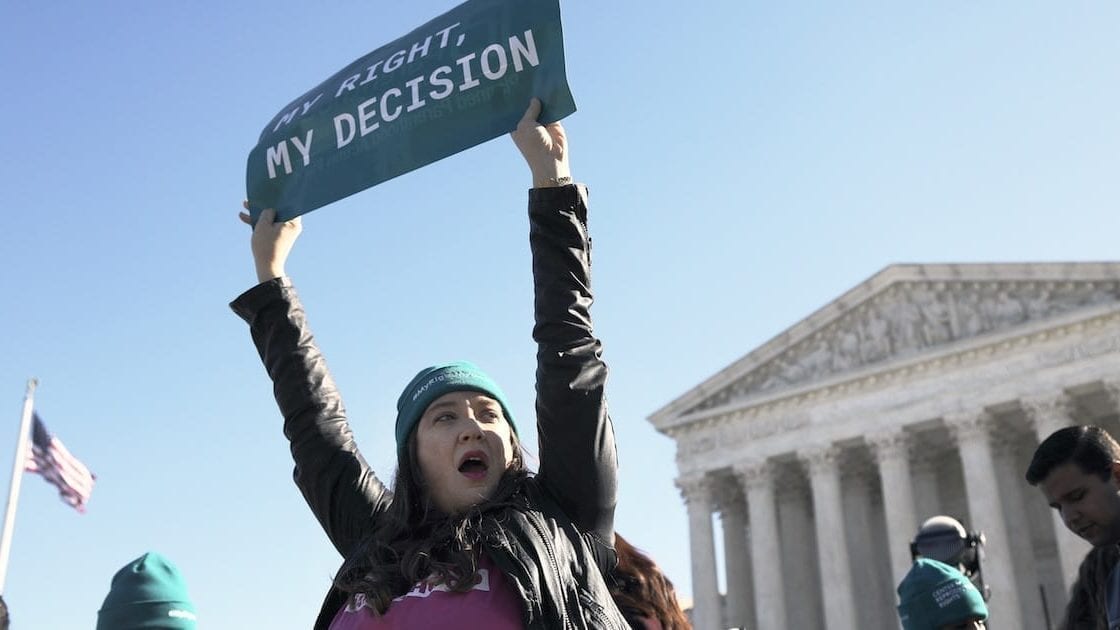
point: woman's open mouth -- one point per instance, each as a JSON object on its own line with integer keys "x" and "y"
{"x": 474, "y": 465}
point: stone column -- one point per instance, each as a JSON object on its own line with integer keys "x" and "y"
{"x": 985, "y": 507}
{"x": 1026, "y": 555}
{"x": 1046, "y": 415}
{"x": 736, "y": 555}
{"x": 872, "y": 589}
{"x": 832, "y": 548}
{"x": 797, "y": 544}
{"x": 697, "y": 494}
{"x": 891, "y": 448}
{"x": 926, "y": 485}
{"x": 766, "y": 561}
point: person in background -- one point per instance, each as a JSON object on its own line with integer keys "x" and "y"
{"x": 643, "y": 593}
{"x": 4, "y": 620}
{"x": 148, "y": 592}
{"x": 936, "y": 596}
{"x": 1078, "y": 471}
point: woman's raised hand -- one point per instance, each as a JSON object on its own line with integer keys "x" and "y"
{"x": 545, "y": 148}
{"x": 271, "y": 242}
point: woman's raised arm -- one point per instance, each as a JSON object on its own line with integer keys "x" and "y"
{"x": 337, "y": 483}
{"x": 578, "y": 463}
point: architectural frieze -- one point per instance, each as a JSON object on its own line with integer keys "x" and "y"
{"x": 1088, "y": 350}
{"x": 892, "y": 375}
{"x": 914, "y": 317}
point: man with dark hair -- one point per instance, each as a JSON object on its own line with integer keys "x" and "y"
{"x": 1078, "y": 471}
{"x": 4, "y": 621}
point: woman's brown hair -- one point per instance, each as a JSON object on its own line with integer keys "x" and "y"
{"x": 413, "y": 541}
{"x": 642, "y": 591}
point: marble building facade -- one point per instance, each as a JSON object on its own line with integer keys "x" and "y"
{"x": 922, "y": 391}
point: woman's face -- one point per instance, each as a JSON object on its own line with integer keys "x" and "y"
{"x": 463, "y": 446}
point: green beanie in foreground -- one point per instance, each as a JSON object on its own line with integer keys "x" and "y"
{"x": 148, "y": 592}
{"x": 934, "y": 594}
{"x": 435, "y": 381}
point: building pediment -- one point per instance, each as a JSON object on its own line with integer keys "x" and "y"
{"x": 902, "y": 312}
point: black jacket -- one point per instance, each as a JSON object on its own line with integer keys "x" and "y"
{"x": 555, "y": 541}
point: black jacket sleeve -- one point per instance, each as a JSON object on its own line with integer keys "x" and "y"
{"x": 337, "y": 483}
{"x": 578, "y": 462}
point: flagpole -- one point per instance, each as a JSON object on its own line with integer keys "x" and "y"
{"x": 17, "y": 477}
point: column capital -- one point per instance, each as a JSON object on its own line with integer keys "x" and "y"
{"x": 968, "y": 426}
{"x": 755, "y": 473}
{"x": 1047, "y": 413}
{"x": 889, "y": 444}
{"x": 696, "y": 489}
{"x": 821, "y": 460}
{"x": 728, "y": 495}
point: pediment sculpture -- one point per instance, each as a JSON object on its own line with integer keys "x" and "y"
{"x": 907, "y": 318}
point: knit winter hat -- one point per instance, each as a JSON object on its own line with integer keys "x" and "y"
{"x": 148, "y": 592}
{"x": 435, "y": 381}
{"x": 934, "y": 594}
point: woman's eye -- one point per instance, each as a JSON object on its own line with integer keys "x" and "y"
{"x": 444, "y": 417}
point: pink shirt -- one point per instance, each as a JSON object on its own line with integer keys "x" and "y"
{"x": 492, "y": 603}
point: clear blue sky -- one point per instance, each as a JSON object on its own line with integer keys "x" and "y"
{"x": 748, "y": 162}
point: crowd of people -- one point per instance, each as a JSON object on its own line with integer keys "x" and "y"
{"x": 1077, "y": 470}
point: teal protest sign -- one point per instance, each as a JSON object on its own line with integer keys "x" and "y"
{"x": 459, "y": 80}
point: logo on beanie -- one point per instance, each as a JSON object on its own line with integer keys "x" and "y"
{"x": 948, "y": 594}
{"x": 436, "y": 379}
{"x": 182, "y": 614}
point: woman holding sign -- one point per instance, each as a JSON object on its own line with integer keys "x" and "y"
{"x": 468, "y": 538}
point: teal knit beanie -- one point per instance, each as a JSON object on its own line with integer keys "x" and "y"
{"x": 148, "y": 592}
{"x": 934, "y": 594}
{"x": 435, "y": 381}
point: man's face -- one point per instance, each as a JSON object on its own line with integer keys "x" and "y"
{"x": 1089, "y": 505}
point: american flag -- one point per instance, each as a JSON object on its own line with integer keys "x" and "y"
{"x": 49, "y": 458}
